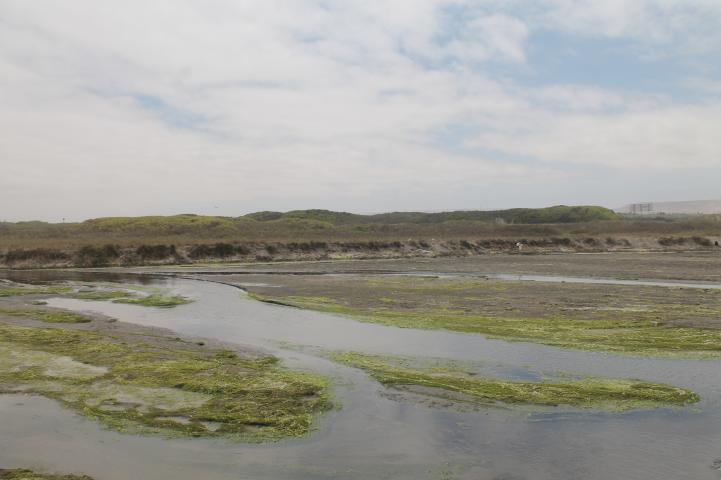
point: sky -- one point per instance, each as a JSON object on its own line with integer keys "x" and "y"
{"x": 226, "y": 107}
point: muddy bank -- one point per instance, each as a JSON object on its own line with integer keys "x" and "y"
{"x": 163, "y": 254}
{"x": 686, "y": 266}
{"x": 22, "y": 474}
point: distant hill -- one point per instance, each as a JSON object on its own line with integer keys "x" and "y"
{"x": 294, "y": 225}
{"x": 324, "y": 234}
{"x": 557, "y": 214}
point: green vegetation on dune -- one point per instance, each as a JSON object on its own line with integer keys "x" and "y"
{"x": 557, "y": 214}
{"x": 22, "y": 474}
{"x": 143, "y": 385}
{"x": 102, "y": 235}
{"x": 183, "y": 223}
{"x": 642, "y": 337}
{"x": 612, "y": 394}
{"x": 160, "y": 224}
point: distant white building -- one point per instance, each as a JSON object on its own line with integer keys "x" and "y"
{"x": 695, "y": 207}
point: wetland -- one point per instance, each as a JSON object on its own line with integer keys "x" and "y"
{"x": 412, "y": 373}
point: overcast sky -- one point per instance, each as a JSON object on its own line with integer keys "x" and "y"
{"x": 229, "y": 106}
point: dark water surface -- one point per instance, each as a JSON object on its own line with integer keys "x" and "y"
{"x": 372, "y": 436}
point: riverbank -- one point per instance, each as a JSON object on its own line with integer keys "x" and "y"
{"x": 22, "y": 474}
{"x": 111, "y": 255}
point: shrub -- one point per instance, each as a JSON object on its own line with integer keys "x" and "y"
{"x": 218, "y": 250}
{"x": 38, "y": 254}
{"x": 704, "y": 242}
{"x": 89, "y": 256}
{"x": 671, "y": 241}
{"x": 155, "y": 252}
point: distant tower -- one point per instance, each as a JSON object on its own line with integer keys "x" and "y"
{"x": 641, "y": 208}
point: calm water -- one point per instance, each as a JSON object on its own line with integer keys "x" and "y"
{"x": 373, "y": 436}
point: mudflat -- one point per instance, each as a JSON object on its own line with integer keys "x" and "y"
{"x": 696, "y": 266}
{"x": 464, "y": 295}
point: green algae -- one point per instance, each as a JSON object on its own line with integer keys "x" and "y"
{"x": 15, "y": 290}
{"x": 22, "y": 474}
{"x": 603, "y": 393}
{"x": 102, "y": 295}
{"x": 155, "y": 300}
{"x": 635, "y": 337}
{"x": 130, "y": 294}
{"x": 47, "y": 316}
{"x": 141, "y": 387}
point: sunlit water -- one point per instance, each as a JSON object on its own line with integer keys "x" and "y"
{"x": 372, "y": 436}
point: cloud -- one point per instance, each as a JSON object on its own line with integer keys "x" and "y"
{"x": 688, "y": 26}
{"x": 575, "y": 98}
{"x": 653, "y": 139}
{"x": 140, "y": 107}
{"x": 487, "y": 37}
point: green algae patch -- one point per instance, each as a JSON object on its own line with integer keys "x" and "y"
{"x": 133, "y": 295}
{"x": 14, "y": 358}
{"x": 101, "y": 295}
{"x": 130, "y": 294}
{"x": 155, "y": 300}
{"x": 22, "y": 474}
{"x": 167, "y": 387}
{"x": 47, "y": 316}
{"x": 635, "y": 337}
{"x": 15, "y": 290}
{"x": 603, "y": 393}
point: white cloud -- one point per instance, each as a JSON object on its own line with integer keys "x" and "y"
{"x": 687, "y": 26}
{"x": 138, "y": 107}
{"x": 504, "y": 36}
{"x": 662, "y": 138}
{"x": 575, "y": 98}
